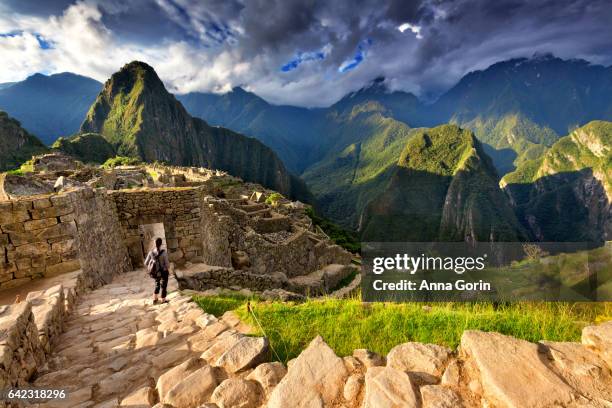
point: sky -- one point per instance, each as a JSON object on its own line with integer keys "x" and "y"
{"x": 298, "y": 52}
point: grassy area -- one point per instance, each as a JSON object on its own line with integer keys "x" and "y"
{"x": 349, "y": 324}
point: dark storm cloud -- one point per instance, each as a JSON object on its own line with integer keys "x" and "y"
{"x": 312, "y": 52}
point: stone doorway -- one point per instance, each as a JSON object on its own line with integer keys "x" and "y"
{"x": 148, "y": 234}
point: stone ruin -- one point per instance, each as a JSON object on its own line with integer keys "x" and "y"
{"x": 226, "y": 242}
{"x": 77, "y": 313}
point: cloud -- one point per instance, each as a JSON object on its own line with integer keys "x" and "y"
{"x": 414, "y": 28}
{"x": 306, "y": 52}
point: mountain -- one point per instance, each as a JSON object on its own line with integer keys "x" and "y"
{"x": 521, "y": 106}
{"x": 442, "y": 188}
{"x": 50, "y": 106}
{"x": 565, "y": 194}
{"x": 402, "y": 106}
{"x": 361, "y": 144}
{"x": 87, "y": 147}
{"x": 288, "y": 130}
{"x": 137, "y": 115}
{"x": 16, "y": 144}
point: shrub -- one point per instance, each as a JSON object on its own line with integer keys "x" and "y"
{"x": 120, "y": 161}
{"x": 273, "y": 199}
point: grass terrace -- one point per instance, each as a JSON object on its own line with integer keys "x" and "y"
{"x": 350, "y": 324}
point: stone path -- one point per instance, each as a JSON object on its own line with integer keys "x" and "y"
{"x": 119, "y": 350}
{"x": 117, "y": 345}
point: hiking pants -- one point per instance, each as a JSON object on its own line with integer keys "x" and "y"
{"x": 162, "y": 283}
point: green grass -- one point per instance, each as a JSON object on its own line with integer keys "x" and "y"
{"x": 217, "y": 305}
{"x": 350, "y": 324}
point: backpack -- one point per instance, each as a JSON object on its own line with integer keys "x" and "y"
{"x": 154, "y": 267}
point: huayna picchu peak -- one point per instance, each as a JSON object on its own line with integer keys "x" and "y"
{"x": 140, "y": 118}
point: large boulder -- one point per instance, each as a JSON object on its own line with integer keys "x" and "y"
{"x": 315, "y": 378}
{"x": 425, "y": 359}
{"x": 599, "y": 339}
{"x": 387, "y": 387}
{"x": 581, "y": 368}
{"x": 175, "y": 375}
{"x": 512, "y": 372}
{"x": 237, "y": 393}
{"x": 141, "y": 398}
{"x": 194, "y": 390}
{"x": 268, "y": 375}
{"x": 439, "y": 396}
{"x": 246, "y": 353}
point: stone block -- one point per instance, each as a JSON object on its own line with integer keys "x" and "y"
{"x": 12, "y": 216}
{"x": 4, "y": 239}
{"x": 39, "y": 224}
{"x": 31, "y": 250}
{"x": 22, "y": 238}
{"x": 41, "y": 203}
{"x": 15, "y": 227}
{"x": 51, "y": 212}
{"x": 63, "y": 267}
{"x": 57, "y": 230}
{"x": 22, "y": 205}
{"x": 63, "y": 246}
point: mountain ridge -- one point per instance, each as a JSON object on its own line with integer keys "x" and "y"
{"x": 50, "y": 106}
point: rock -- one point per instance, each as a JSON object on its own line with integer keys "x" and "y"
{"x": 246, "y": 353}
{"x": 352, "y": 364}
{"x": 170, "y": 357}
{"x": 581, "y": 368}
{"x": 240, "y": 260}
{"x": 147, "y": 337}
{"x": 111, "y": 403}
{"x": 387, "y": 387}
{"x": 599, "y": 339}
{"x": 268, "y": 375}
{"x": 451, "y": 374}
{"x": 438, "y": 396}
{"x": 316, "y": 377}
{"x": 427, "y": 360}
{"x": 236, "y": 393}
{"x": 224, "y": 342}
{"x": 512, "y": 372}
{"x": 141, "y": 398}
{"x": 59, "y": 183}
{"x": 352, "y": 388}
{"x": 173, "y": 376}
{"x": 194, "y": 390}
{"x": 369, "y": 358}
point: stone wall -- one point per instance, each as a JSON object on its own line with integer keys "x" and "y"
{"x": 177, "y": 208}
{"x": 20, "y": 350}
{"x": 99, "y": 241}
{"x": 37, "y": 239}
{"x": 215, "y": 236}
{"x": 53, "y": 234}
{"x": 203, "y": 277}
{"x": 299, "y": 254}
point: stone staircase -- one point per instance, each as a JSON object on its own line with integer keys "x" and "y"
{"x": 118, "y": 349}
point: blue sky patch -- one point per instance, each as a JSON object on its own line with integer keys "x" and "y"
{"x": 302, "y": 57}
{"x": 44, "y": 44}
{"x": 353, "y": 63}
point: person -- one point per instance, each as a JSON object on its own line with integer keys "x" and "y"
{"x": 161, "y": 282}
